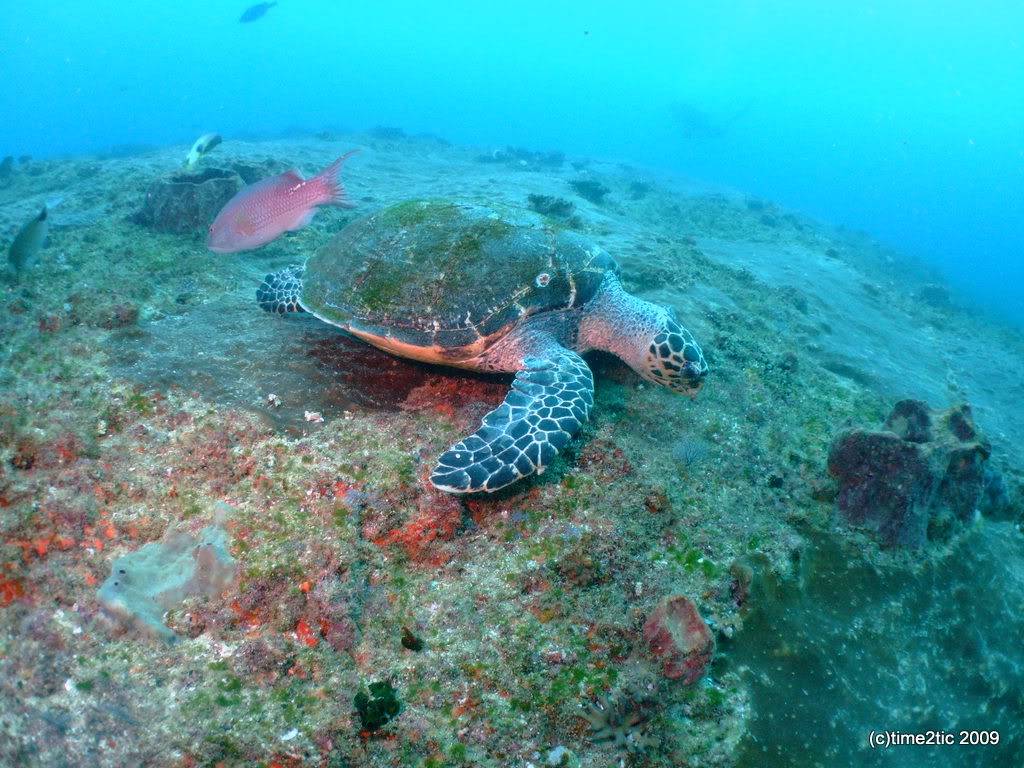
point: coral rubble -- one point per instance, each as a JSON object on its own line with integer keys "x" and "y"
{"x": 590, "y": 189}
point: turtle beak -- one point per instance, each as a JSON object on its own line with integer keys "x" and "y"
{"x": 692, "y": 378}
{"x": 689, "y": 380}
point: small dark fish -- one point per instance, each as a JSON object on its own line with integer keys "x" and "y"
{"x": 254, "y": 12}
{"x": 28, "y": 241}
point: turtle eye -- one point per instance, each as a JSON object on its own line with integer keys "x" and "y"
{"x": 542, "y": 279}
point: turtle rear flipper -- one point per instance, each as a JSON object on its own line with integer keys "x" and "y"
{"x": 280, "y": 291}
{"x": 550, "y": 399}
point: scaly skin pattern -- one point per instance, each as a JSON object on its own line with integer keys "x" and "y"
{"x": 280, "y": 291}
{"x": 646, "y": 336}
{"x": 553, "y": 390}
{"x": 552, "y": 393}
{"x": 550, "y": 399}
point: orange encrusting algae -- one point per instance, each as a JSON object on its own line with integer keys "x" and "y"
{"x": 10, "y": 590}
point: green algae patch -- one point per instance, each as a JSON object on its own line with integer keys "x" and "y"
{"x": 417, "y": 212}
{"x": 377, "y": 705}
{"x": 444, "y": 246}
{"x": 382, "y": 287}
{"x": 160, "y": 575}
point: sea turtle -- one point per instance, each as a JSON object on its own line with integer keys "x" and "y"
{"x": 490, "y": 289}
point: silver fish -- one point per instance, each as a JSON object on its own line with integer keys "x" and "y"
{"x": 203, "y": 144}
{"x": 25, "y": 248}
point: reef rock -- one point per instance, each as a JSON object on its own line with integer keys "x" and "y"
{"x": 678, "y": 637}
{"x": 915, "y": 479}
{"x": 162, "y": 574}
{"x": 186, "y": 203}
{"x": 996, "y": 502}
{"x": 590, "y": 189}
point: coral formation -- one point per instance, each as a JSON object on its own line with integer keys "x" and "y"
{"x": 916, "y": 478}
{"x": 387, "y": 132}
{"x": 186, "y": 203}
{"x": 621, "y": 720}
{"x": 935, "y": 295}
{"x": 689, "y": 451}
{"x": 638, "y": 190}
{"x": 547, "y": 205}
{"x": 377, "y": 705}
{"x": 590, "y": 189}
{"x": 526, "y": 159}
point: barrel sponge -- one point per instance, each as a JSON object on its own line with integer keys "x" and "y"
{"x": 159, "y": 576}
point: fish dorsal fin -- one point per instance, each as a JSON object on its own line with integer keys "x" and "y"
{"x": 289, "y": 179}
{"x": 285, "y": 180}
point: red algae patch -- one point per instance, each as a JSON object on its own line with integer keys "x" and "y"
{"x": 678, "y": 637}
{"x": 10, "y": 590}
{"x": 427, "y": 536}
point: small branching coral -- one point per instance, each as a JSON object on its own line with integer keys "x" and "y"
{"x": 622, "y": 718}
{"x": 688, "y": 452}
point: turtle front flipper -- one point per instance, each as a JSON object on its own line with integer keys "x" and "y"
{"x": 550, "y": 399}
{"x": 280, "y": 291}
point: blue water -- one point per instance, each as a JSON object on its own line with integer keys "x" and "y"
{"x": 903, "y": 119}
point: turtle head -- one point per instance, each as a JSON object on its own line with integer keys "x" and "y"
{"x": 673, "y": 358}
{"x": 647, "y": 336}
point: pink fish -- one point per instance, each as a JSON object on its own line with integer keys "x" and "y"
{"x": 267, "y": 209}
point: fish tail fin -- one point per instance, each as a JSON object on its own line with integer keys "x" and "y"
{"x": 330, "y": 179}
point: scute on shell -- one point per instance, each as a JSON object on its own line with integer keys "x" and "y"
{"x": 443, "y": 274}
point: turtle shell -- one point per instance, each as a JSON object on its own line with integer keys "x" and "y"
{"x": 448, "y": 276}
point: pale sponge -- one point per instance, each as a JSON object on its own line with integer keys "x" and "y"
{"x": 159, "y": 576}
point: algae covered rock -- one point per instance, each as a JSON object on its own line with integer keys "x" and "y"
{"x": 914, "y": 480}
{"x": 159, "y": 576}
{"x": 590, "y": 189}
{"x": 186, "y": 203}
{"x": 547, "y": 205}
{"x": 679, "y": 638}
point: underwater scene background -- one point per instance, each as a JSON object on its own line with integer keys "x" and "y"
{"x": 223, "y": 537}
